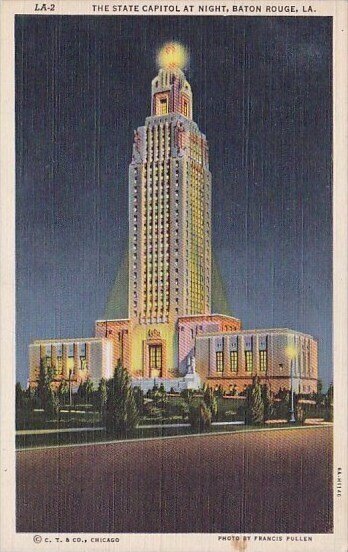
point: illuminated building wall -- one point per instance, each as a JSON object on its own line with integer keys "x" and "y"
{"x": 169, "y": 225}
{"x": 234, "y": 358}
{"x": 170, "y": 331}
{"x": 170, "y": 209}
{"x": 83, "y": 359}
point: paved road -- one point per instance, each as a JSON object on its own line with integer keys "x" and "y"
{"x": 269, "y": 481}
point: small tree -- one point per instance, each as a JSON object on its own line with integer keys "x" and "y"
{"x": 329, "y": 397}
{"x": 20, "y": 397}
{"x": 81, "y": 392}
{"x": 121, "y": 413}
{"x": 139, "y": 399}
{"x": 162, "y": 397}
{"x": 44, "y": 384}
{"x": 88, "y": 389}
{"x": 318, "y": 396}
{"x": 102, "y": 396}
{"x": 52, "y": 404}
{"x": 210, "y": 400}
{"x": 255, "y": 406}
{"x": 63, "y": 392}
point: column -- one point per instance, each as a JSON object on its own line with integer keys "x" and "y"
{"x": 255, "y": 350}
{"x": 226, "y": 353}
{"x": 54, "y": 360}
{"x": 241, "y": 359}
{"x": 76, "y": 359}
{"x": 65, "y": 360}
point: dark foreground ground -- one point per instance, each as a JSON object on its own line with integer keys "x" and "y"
{"x": 269, "y": 481}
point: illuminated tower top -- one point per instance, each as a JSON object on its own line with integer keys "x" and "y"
{"x": 171, "y": 93}
{"x": 169, "y": 203}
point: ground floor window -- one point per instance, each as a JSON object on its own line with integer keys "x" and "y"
{"x": 219, "y": 361}
{"x": 263, "y": 361}
{"x": 249, "y": 361}
{"x": 234, "y": 361}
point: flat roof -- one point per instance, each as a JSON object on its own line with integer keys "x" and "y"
{"x": 208, "y": 315}
{"x": 254, "y": 331}
{"x": 68, "y": 340}
{"x": 113, "y": 320}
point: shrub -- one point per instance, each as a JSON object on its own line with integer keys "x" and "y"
{"x": 241, "y": 413}
{"x": 187, "y": 395}
{"x": 219, "y": 391}
{"x": 85, "y": 391}
{"x": 152, "y": 411}
{"x": 200, "y": 417}
{"x": 184, "y": 409}
{"x": 211, "y": 401}
{"x": 230, "y": 414}
{"x": 267, "y": 402}
{"x": 300, "y": 414}
{"x": 52, "y": 404}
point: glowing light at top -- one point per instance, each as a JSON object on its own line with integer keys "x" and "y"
{"x": 172, "y": 56}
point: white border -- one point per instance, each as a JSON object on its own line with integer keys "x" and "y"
{"x": 12, "y": 542}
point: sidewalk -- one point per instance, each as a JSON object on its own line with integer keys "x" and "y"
{"x": 76, "y": 429}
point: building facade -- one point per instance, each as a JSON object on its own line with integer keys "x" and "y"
{"x": 170, "y": 335}
{"x": 169, "y": 237}
{"x": 233, "y": 359}
{"x": 71, "y": 359}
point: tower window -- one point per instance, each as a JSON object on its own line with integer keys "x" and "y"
{"x": 185, "y": 107}
{"x": 163, "y": 106}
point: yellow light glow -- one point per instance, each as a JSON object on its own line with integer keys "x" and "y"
{"x": 172, "y": 56}
{"x": 291, "y": 351}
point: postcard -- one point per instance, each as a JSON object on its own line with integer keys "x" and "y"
{"x": 174, "y": 276}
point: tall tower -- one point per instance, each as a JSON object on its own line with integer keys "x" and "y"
{"x": 169, "y": 204}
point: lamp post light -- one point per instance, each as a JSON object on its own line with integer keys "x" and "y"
{"x": 291, "y": 353}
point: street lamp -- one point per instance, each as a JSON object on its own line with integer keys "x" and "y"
{"x": 291, "y": 353}
{"x": 70, "y": 397}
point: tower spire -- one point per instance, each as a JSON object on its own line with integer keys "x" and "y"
{"x": 171, "y": 92}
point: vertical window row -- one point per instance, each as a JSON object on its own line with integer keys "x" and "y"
{"x": 135, "y": 239}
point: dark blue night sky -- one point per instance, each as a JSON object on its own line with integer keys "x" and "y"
{"x": 262, "y": 95}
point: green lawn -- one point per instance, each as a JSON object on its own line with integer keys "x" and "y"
{"x": 86, "y": 415}
{"x": 36, "y": 419}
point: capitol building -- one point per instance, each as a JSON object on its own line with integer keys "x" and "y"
{"x": 171, "y": 336}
